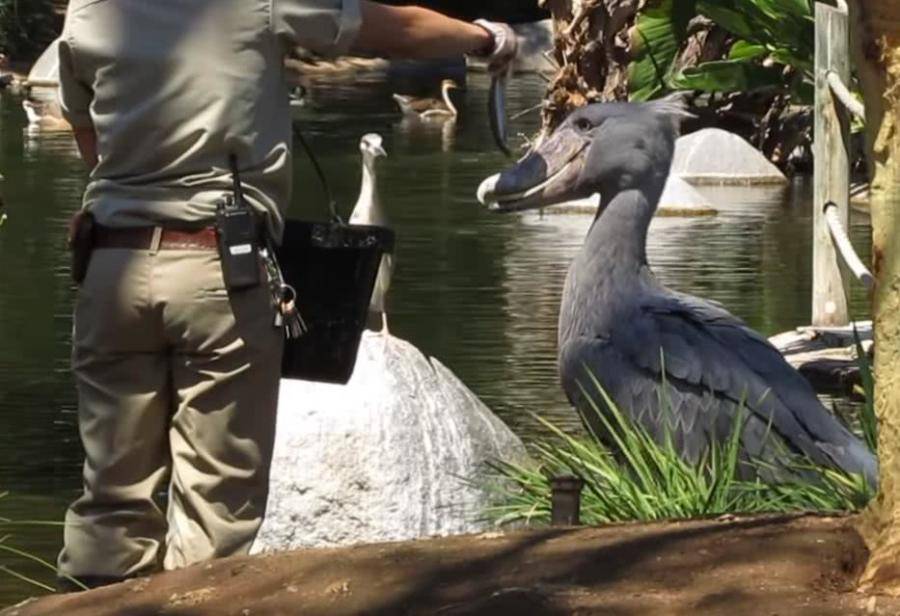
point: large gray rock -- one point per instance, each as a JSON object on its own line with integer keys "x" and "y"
{"x": 715, "y": 156}
{"x": 385, "y": 457}
{"x": 681, "y": 199}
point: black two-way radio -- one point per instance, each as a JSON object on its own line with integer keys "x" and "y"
{"x": 239, "y": 235}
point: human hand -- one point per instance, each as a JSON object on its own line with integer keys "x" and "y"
{"x": 505, "y": 47}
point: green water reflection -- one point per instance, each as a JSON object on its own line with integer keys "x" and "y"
{"x": 477, "y": 290}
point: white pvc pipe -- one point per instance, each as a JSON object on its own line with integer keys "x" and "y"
{"x": 841, "y": 92}
{"x": 845, "y": 248}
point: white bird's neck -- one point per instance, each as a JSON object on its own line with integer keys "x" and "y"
{"x": 368, "y": 190}
{"x": 445, "y": 91}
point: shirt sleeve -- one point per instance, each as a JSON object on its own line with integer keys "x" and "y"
{"x": 75, "y": 95}
{"x": 326, "y": 27}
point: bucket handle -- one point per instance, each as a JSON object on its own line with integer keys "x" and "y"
{"x": 329, "y": 196}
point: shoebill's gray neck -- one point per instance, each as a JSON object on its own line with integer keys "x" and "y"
{"x": 616, "y": 243}
{"x": 606, "y": 275}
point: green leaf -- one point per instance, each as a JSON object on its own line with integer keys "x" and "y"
{"x": 793, "y": 8}
{"x": 743, "y": 50}
{"x": 729, "y": 76}
{"x": 655, "y": 39}
{"x": 765, "y": 22}
{"x": 736, "y": 22}
{"x": 789, "y": 57}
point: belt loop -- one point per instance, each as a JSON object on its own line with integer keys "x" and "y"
{"x": 156, "y": 240}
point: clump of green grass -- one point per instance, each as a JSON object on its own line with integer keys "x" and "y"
{"x": 631, "y": 476}
{"x": 7, "y": 525}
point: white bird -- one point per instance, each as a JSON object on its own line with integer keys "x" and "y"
{"x": 368, "y": 211}
{"x": 44, "y": 116}
{"x": 430, "y": 108}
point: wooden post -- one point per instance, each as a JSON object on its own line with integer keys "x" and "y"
{"x": 831, "y": 165}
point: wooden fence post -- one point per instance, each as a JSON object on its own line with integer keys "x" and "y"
{"x": 831, "y": 166}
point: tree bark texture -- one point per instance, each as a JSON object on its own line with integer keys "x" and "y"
{"x": 876, "y": 43}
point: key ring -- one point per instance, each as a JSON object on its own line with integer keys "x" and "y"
{"x": 288, "y": 293}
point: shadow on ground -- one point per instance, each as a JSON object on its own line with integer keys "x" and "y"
{"x": 772, "y": 565}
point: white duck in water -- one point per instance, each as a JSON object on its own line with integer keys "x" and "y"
{"x": 44, "y": 116}
{"x": 430, "y": 108}
{"x": 368, "y": 211}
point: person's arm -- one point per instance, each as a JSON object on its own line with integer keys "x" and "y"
{"x": 337, "y": 27}
{"x": 417, "y": 33}
{"x": 86, "y": 138}
{"x": 75, "y": 96}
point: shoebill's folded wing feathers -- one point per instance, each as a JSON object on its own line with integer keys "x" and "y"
{"x": 796, "y": 411}
{"x": 712, "y": 363}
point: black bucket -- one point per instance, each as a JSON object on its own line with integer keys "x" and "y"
{"x": 333, "y": 267}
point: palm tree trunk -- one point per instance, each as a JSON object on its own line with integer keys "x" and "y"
{"x": 876, "y": 32}
{"x": 591, "y": 51}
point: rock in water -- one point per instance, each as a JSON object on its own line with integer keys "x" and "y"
{"x": 678, "y": 199}
{"x": 681, "y": 199}
{"x": 715, "y": 156}
{"x": 383, "y": 458}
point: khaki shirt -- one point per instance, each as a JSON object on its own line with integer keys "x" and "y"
{"x": 172, "y": 87}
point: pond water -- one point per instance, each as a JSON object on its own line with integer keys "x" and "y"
{"x": 479, "y": 291}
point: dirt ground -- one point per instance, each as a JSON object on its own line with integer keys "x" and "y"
{"x": 768, "y": 566}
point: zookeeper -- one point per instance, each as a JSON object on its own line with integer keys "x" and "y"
{"x": 176, "y": 359}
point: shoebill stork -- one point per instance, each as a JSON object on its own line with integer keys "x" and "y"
{"x": 674, "y": 363}
{"x": 368, "y": 211}
{"x": 441, "y": 109}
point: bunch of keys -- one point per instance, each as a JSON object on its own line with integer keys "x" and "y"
{"x": 287, "y": 315}
{"x": 284, "y": 298}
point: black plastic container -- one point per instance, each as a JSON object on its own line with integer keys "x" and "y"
{"x": 333, "y": 267}
{"x": 565, "y": 500}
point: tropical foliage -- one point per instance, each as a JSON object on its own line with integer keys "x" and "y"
{"x": 723, "y": 46}
{"x": 751, "y": 59}
{"x": 748, "y": 62}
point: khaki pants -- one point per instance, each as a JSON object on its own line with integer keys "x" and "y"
{"x": 177, "y": 381}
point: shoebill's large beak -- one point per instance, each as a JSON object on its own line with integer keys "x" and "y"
{"x": 546, "y": 176}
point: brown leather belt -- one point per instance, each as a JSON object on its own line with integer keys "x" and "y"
{"x": 144, "y": 238}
